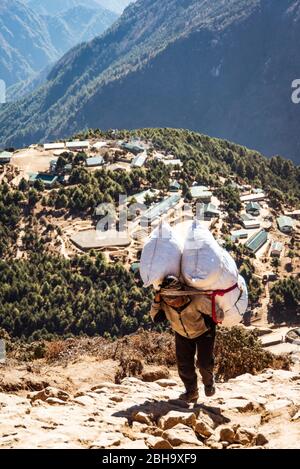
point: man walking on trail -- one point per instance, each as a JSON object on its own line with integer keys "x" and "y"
{"x": 190, "y": 318}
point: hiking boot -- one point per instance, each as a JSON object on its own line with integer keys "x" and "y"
{"x": 189, "y": 396}
{"x": 209, "y": 390}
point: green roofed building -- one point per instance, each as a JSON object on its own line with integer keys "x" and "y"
{"x": 49, "y": 180}
{"x": 285, "y": 224}
{"x": 133, "y": 147}
{"x": 201, "y": 193}
{"x": 257, "y": 241}
{"x": 160, "y": 209}
{"x": 209, "y": 211}
{"x": 239, "y": 234}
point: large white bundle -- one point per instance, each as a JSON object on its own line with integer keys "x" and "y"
{"x": 161, "y": 256}
{"x": 205, "y": 265}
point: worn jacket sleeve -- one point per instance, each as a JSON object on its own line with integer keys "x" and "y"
{"x": 157, "y": 313}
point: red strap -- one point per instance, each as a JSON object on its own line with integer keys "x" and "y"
{"x": 213, "y": 299}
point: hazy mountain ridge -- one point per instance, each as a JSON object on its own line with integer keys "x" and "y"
{"x": 30, "y": 42}
{"x": 218, "y": 67}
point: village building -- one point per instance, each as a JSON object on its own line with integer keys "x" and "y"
{"x": 93, "y": 239}
{"x": 99, "y": 145}
{"x": 53, "y": 164}
{"x": 276, "y": 249}
{"x": 94, "y": 161}
{"x": 173, "y": 162}
{"x": 141, "y": 196}
{"x": 49, "y": 180}
{"x": 257, "y": 241}
{"x": 175, "y": 186}
{"x": 253, "y": 197}
{"x": 201, "y": 193}
{"x": 253, "y": 208}
{"x": 285, "y": 224}
{"x": 133, "y": 147}
{"x": 209, "y": 211}
{"x": 54, "y": 146}
{"x": 78, "y": 145}
{"x": 139, "y": 160}
{"x": 160, "y": 209}
{"x": 239, "y": 234}
{"x": 5, "y": 157}
{"x": 251, "y": 224}
{"x": 294, "y": 214}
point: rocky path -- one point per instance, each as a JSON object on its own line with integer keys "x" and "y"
{"x": 260, "y": 411}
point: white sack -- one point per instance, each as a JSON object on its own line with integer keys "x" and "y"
{"x": 238, "y": 299}
{"x": 205, "y": 265}
{"x": 161, "y": 256}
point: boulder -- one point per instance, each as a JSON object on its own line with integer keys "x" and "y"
{"x": 84, "y": 400}
{"x": 227, "y": 434}
{"x": 155, "y": 431}
{"x": 241, "y": 405}
{"x": 245, "y": 436}
{"x": 156, "y": 442}
{"x": 203, "y": 429}
{"x": 174, "y": 417}
{"x": 181, "y": 434}
{"x": 276, "y": 408}
{"x": 166, "y": 383}
{"x": 55, "y": 401}
{"x": 155, "y": 374}
{"x": 261, "y": 440}
{"x": 50, "y": 391}
{"x": 139, "y": 427}
{"x": 141, "y": 417}
{"x": 116, "y": 398}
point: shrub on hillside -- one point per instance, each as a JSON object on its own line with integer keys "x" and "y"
{"x": 237, "y": 351}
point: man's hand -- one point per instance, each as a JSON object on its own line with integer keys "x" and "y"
{"x": 157, "y": 297}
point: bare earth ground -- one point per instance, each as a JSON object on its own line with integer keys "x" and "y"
{"x": 78, "y": 405}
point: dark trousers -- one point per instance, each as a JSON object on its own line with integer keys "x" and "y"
{"x": 185, "y": 354}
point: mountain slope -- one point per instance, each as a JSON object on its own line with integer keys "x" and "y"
{"x": 78, "y": 24}
{"x": 219, "y": 67}
{"x": 53, "y": 403}
{"x": 54, "y": 7}
{"x": 25, "y": 45}
{"x": 30, "y": 42}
